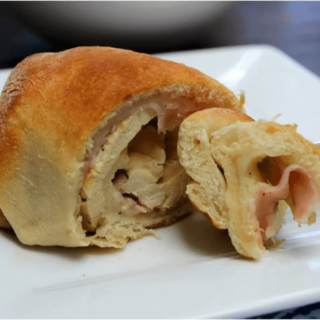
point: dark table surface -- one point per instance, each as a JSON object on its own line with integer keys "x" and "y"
{"x": 293, "y": 27}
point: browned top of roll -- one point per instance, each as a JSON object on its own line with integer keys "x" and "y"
{"x": 84, "y": 84}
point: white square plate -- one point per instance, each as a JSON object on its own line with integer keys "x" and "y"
{"x": 192, "y": 271}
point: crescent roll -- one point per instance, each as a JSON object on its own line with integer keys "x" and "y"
{"x": 245, "y": 173}
{"x": 88, "y": 142}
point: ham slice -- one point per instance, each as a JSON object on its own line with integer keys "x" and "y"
{"x": 296, "y": 184}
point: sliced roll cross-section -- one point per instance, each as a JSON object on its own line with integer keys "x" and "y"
{"x": 245, "y": 173}
{"x": 88, "y": 145}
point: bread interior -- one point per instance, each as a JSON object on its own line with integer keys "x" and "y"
{"x": 135, "y": 182}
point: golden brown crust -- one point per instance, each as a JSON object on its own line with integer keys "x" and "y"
{"x": 220, "y": 118}
{"x": 85, "y": 84}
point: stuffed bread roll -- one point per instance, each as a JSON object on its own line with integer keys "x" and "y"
{"x": 88, "y": 145}
{"x": 243, "y": 173}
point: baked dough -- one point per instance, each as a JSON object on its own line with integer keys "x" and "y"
{"x": 243, "y": 172}
{"x": 88, "y": 145}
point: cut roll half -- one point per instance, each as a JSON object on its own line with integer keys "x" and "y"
{"x": 244, "y": 173}
{"x": 88, "y": 143}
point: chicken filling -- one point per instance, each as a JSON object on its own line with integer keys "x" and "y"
{"x": 136, "y": 174}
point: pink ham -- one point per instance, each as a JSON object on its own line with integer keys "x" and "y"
{"x": 296, "y": 183}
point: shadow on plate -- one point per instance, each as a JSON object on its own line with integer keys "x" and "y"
{"x": 195, "y": 232}
{"x": 203, "y": 238}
